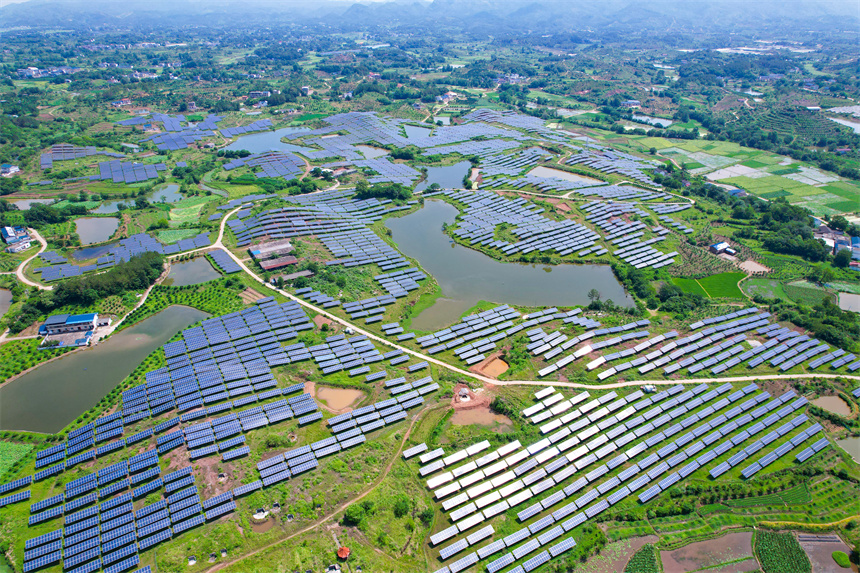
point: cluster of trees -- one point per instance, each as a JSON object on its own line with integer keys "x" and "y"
{"x": 674, "y": 300}
{"x": 39, "y": 215}
{"x": 136, "y": 274}
{"x": 826, "y": 320}
{"x": 393, "y": 191}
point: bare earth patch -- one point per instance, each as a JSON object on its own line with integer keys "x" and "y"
{"x": 695, "y": 556}
{"x": 492, "y": 366}
{"x": 753, "y": 267}
{"x": 820, "y": 548}
{"x": 319, "y": 320}
{"x": 249, "y": 295}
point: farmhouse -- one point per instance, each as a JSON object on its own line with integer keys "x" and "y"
{"x": 14, "y": 235}
{"x": 723, "y": 247}
{"x": 65, "y": 323}
{"x": 8, "y": 170}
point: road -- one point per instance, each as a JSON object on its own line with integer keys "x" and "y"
{"x": 467, "y": 374}
{"x": 20, "y": 270}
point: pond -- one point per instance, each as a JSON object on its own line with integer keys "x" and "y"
{"x": 88, "y": 253}
{"x": 167, "y": 194}
{"x": 415, "y": 132}
{"x": 192, "y": 272}
{"x": 50, "y": 397}
{"x": 24, "y": 204}
{"x": 467, "y": 276}
{"x": 372, "y": 152}
{"x": 448, "y": 177}
{"x": 847, "y": 123}
{"x": 266, "y": 141}
{"x": 95, "y": 229}
{"x": 549, "y": 172}
{"x": 443, "y": 119}
{"x": 338, "y": 399}
{"x": 5, "y": 301}
{"x": 833, "y": 404}
{"x": 659, "y": 121}
{"x": 852, "y": 446}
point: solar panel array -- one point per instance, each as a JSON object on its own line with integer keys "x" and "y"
{"x": 124, "y": 250}
{"x": 536, "y": 233}
{"x": 611, "y": 161}
{"x": 605, "y": 451}
{"x": 175, "y": 136}
{"x": 128, "y": 171}
{"x": 68, "y": 152}
{"x": 224, "y": 261}
{"x": 271, "y": 164}
{"x": 261, "y": 125}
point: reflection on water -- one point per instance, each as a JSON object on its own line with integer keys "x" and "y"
{"x": 24, "y": 204}
{"x": 95, "y": 229}
{"x": 450, "y": 177}
{"x": 48, "y": 398}
{"x": 191, "y": 272}
{"x": 5, "y": 301}
{"x": 415, "y": 132}
{"x": 549, "y": 172}
{"x": 467, "y": 276}
{"x": 266, "y": 141}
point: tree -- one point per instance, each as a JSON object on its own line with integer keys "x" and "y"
{"x": 594, "y": 295}
{"x": 353, "y": 515}
{"x": 842, "y": 258}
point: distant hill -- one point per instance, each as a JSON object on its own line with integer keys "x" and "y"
{"x": 493, "y": 17}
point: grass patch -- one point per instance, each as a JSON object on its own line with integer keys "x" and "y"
{"x": 174, "y": 235}
{"x": 842, "y": 559}
{"x": 723, "y": 285}
{"x": 767, "y": 288}
{"x": 691, "y": 286}
{"x": 807, "y": 293}
{"x": 10, "y": 453}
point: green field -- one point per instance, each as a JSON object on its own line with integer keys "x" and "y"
{"x": 174, "y": 235}
{"x": 723, "y": 285}
{"x": 807, "y": 293}
{"x": 11, "y": 452}
{"x": 780, "y": 553}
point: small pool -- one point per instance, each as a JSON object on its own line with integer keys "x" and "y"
{"x": 96, "y": 229}
{"x": 191, "y": 272}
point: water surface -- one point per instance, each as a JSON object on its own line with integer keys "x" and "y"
{"x": 549, "y": 172}
{"x": 847, "y": 123}
{"x": 449, "y": 177}
{"x": 266, "y": 141}
{"x": 5, "y": 301}
{"x": 415, "y": 132}
{"x": 852, "y": 446}
{"x": 167, "y": 194}
{"x": 372, "y": 152}
{"x": 95, "y": 229}
{"x": 467, "y": 276}
{"x": 658, "y": 121}
{"x": 833, "y": 404}
{"x": 50, "y": 397}
{"x": 192, "y": 272}
{"x": 24, "y": 204}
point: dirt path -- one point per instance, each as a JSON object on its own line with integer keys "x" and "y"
{"x": 338, "y": 509}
